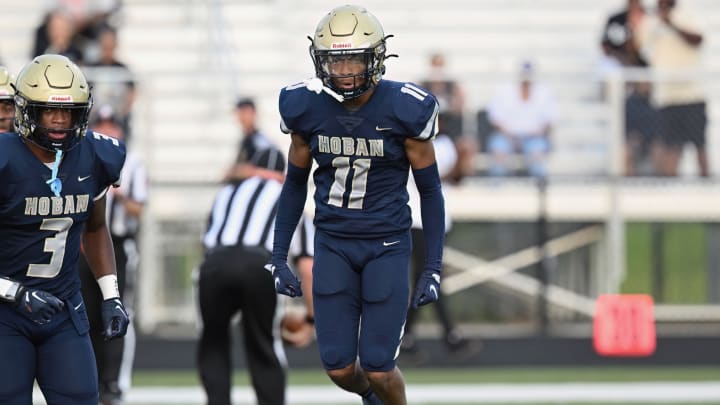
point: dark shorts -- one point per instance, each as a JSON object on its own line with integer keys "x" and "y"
{"x": 360, "y": 293}
{"x": 685, "y": 123}
{"x": 641, "y": 118}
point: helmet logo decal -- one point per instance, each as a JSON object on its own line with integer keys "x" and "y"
{"x": 60, "y": 99}
{"x": 341, "y": 45}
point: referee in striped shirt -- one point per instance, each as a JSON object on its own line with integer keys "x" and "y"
{"x": 239, "y": 242}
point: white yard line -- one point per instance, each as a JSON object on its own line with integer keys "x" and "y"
{"x": 611, "y": 393}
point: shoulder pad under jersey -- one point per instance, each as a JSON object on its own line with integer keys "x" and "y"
{"x": 110, "y": 154}
{"x": 293, "y": 103}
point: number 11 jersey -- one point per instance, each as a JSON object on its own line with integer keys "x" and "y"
{"x": 362, "y": 169}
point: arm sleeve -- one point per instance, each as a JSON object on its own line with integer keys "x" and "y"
{"x": 302, "y": 241}
{"x": 290, "y": 209}
{"x": 432, "y": 210}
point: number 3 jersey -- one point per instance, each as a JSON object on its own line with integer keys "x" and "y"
{"x": 362, "y": 169}
{"x": 40, "y": 233}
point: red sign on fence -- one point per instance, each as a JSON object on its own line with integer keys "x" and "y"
{"x": 624, "y": 325}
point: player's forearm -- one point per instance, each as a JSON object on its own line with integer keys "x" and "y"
{"x": 290, "y": 208}
{"x": 99, "y": 251}
{"x": 97, "y": 244}
{"x": 432, "y": 211}
{"x": 100, "y": 255}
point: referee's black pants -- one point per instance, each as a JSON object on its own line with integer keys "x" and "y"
{"x": 233, "y": 279}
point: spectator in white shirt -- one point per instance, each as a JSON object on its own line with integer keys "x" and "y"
{"x": 522, "y": 115}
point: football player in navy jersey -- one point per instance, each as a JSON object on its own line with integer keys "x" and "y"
{"x": 54, "y": 176}
{"x": 364, "y": 133}
{"x": 7, "y": 105}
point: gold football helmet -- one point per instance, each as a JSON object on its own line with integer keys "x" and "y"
{"x": 349, "y": 35}
{"x": 51, "y": 81}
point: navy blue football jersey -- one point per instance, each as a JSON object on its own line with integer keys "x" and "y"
{"x": 362, "y": 169}
{"x": 40, "y": 232}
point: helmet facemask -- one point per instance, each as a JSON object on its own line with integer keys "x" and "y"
{"x": 28, "y": 121}
{"x": 364, "y": 66}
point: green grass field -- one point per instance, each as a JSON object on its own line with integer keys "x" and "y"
{"x": 468, "y": 375}
{"x": 476, "y": 377}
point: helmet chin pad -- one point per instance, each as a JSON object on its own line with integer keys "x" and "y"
{"x": 40, "y": 137}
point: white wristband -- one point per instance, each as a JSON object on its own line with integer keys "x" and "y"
{"x": 8, "y": 289}
{"x": 109, "y": 286}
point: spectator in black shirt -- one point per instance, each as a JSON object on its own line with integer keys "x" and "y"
{"x": 641, "y": 119}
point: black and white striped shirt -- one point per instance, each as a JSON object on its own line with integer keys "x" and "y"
{"x": 244, "y": 215}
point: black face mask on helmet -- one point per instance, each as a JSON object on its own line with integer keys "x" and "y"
{"x": 31, "y": 112}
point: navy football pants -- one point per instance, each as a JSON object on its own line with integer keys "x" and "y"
{"x": 360, "y": 297}
{"x": 58, "y": 354}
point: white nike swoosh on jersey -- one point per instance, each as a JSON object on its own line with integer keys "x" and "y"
{"x": 81, "y": 179}
{"x": 78, "y": 306}
{"x": 390, "y": 243}
{"x": 379, "y": 129}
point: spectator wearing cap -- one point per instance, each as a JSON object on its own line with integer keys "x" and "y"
{"x": 253, "y": 141}
{"x": 522, "y": 114}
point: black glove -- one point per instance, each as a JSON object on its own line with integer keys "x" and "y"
{"x": 285, "y": 281}
{"x": 115, "y": 319}
{"x": 38, "y": 305}
{"x": 427, "y": 289}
